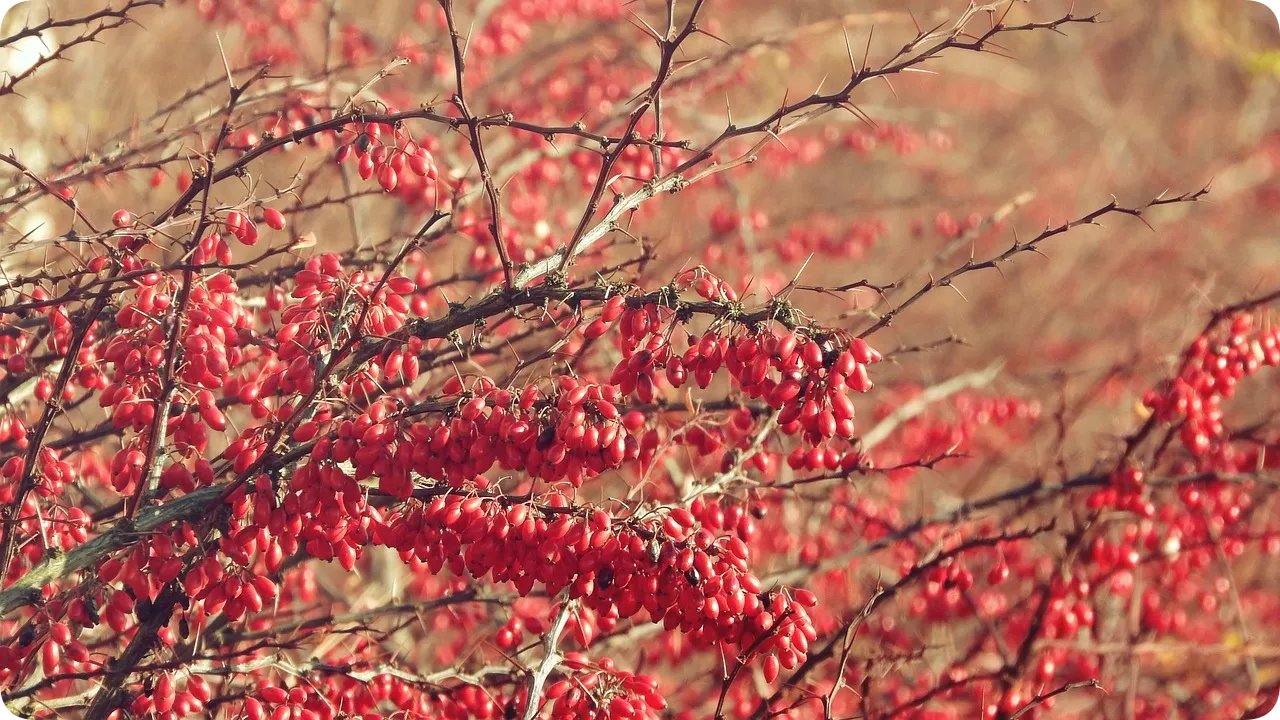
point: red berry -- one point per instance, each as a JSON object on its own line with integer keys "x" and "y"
{"x": 273, "y": 218}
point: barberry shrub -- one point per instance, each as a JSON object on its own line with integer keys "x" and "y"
{"x": 494, "y": 360}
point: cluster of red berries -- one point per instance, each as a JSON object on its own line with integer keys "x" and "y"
{"x": 700, "y": 585}
{"x": 324, "y": 511}
{"x": 1211, "y": 369}
{"x": 272, "y": 702}
{"x": 168, "y": 702}
{"x": 387, "y": 161}
{"x": 1124, "y": 493}
{"x": 55, "y": 645}
{"x": 334, "y": 695}
{"x": 600, "y": 691}
{"x": 805, "y": 378}
{"x": 298, "y": 111}
{"x": 575, "y": 434}
{"x": 329, "y": 301}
